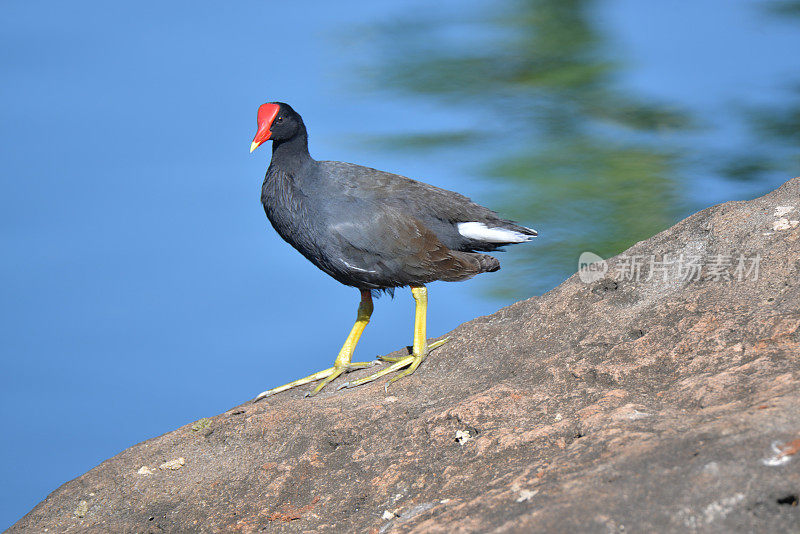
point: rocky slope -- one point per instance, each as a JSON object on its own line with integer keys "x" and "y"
{"x": 658, "y": 397}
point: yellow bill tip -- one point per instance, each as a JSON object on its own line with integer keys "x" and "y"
{"x": 253, "y": 146}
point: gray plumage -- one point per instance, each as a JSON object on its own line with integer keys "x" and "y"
{"x": 372, "y": 229}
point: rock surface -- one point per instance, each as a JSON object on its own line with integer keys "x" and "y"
{"x": 655, "y": 398}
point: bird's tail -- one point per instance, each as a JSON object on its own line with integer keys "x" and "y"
{"x": 465, "y": 265}
{"x": 486, "y": 263}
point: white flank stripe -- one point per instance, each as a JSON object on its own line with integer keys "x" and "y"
{"x": 357, "y": 268}
{"x": 481, "y": 232}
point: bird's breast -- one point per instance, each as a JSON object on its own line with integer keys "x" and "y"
{"x": 299, "y": 219}
{"x": 285, "y": 207}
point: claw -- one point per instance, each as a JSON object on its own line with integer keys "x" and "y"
{"x": 262, "y": 395}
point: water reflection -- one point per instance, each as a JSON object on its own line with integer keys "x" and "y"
{"x": 589, "y": 163}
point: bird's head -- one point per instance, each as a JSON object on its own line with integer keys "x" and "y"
{"x": 276, "y": 122}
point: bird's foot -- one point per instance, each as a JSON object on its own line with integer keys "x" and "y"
{"x": 411, "y": 362}
{"x": 432, "y": 346}
{"x": 326, "y": 376}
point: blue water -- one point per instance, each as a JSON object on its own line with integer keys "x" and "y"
{"x": 142, "y": 285}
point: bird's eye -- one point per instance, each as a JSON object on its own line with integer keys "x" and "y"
{"x": 279, "y": 119}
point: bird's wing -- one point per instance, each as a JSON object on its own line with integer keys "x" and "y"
{"x": 391, "y": 248}
{"x": 458, "y": 221}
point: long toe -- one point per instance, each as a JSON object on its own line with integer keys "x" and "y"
{"x": 302, "y": 381}
{"x": 322, "y": 384}
{"x": 405, "y": 372}
{"x": 437, "y": 344}
{"x": 402, "y": 362}
{"x": 392, "y": 359}
{"x": 353, "y": 366}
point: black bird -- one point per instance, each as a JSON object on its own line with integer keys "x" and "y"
{"x": 372, "y": 230}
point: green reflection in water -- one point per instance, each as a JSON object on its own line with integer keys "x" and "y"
{"x": 583, "y": 160}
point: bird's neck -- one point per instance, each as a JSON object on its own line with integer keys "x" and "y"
{"x": 290, "y": 155}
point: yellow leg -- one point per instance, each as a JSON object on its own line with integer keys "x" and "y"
{"x": 342, "y": 363}
{"x": 419, "y": 350}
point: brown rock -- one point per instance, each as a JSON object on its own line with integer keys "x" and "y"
{"x": 660, "y": 404}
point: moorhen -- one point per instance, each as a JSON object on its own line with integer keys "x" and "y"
{"x": 372, "y": 230}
